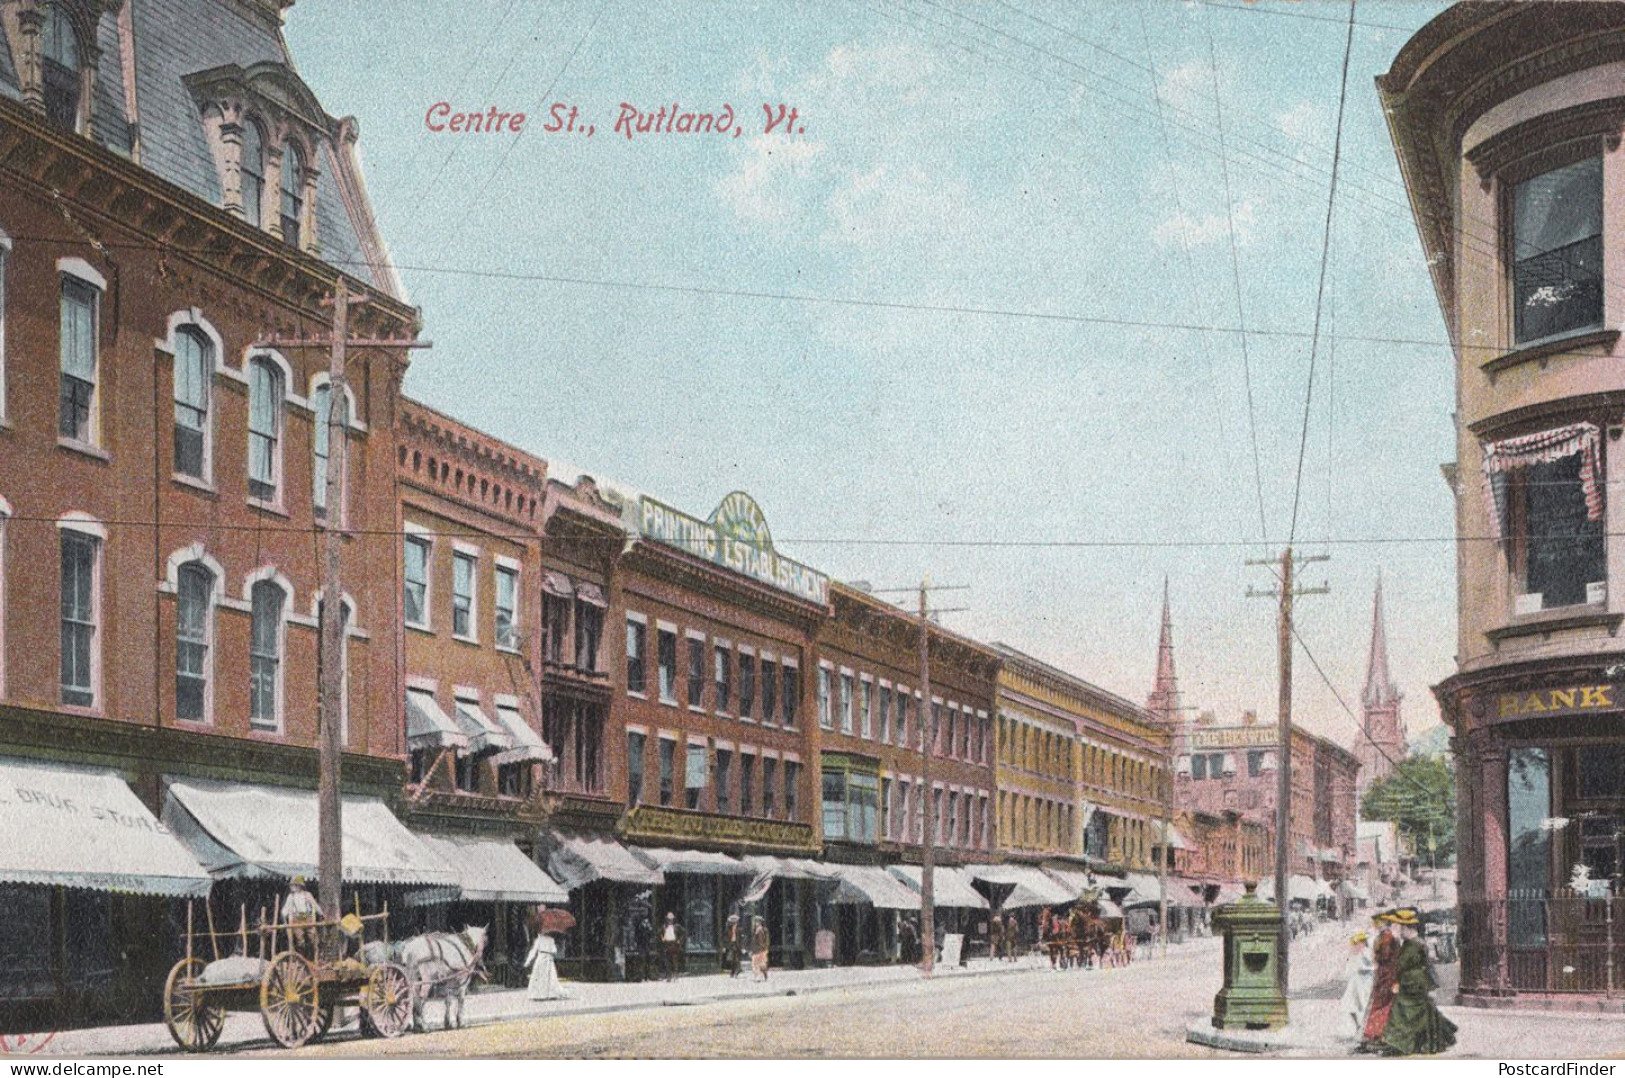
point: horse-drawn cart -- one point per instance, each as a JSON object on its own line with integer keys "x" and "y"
{"x": 297, "y": 977}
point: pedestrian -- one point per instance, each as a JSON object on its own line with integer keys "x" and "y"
{"x": 760, "y": 947}
{"x": 300, "y": 913}
{"x": 1357, "y": 972}
{"x": 730, "y": 946}
{"x": 995, "y": 937}
{"x": 1385, "y": 975}
{"x": 671, "y": 945}
{"x": 909, "y": 936}
{"x": 1012, "y": 937}
{"x": 1415, "y": 1026}
{"x": 544, "y": 972}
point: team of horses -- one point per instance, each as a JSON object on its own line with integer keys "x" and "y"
{"x": 1084, "y": 939}
{"x": 439, "y": 965}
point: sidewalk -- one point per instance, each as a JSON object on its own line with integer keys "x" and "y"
{"x": 245, "y": 1030}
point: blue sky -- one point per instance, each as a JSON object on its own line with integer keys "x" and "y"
{"x": 1048, "y": 158}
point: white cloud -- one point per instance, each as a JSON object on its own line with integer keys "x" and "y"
{"x": 1183, "y": 228}
{"x": 761, "y": 188}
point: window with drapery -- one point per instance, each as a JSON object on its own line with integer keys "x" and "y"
{"x": 265, "y": 393}
{"x": 194, "y": 368}
{"x": 194, "y": 603}
{"x": 1544, "y": 495}
{"x": 265, "y": 656}
{"x": 1557, "y": 251}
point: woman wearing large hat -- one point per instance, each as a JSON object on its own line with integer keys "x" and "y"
{"x": 1385, "y": 975}
{"x": 1415, "y": 1026}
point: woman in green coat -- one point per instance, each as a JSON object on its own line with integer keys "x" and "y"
{"x": 1415, "y": 1026}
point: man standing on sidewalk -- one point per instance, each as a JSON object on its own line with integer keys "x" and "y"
{"x": 671, "y": 945}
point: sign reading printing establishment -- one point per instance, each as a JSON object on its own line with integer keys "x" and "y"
{"x": 737, "y": 538}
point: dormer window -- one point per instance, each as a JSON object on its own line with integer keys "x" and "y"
{"x": 293, "y": 192}
{"x": 253, "y": 172}
{"x": 59, "y": 56}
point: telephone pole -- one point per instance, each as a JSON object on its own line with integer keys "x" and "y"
{"x": 1283, "y": 762}
{"x": 330, "y": 664}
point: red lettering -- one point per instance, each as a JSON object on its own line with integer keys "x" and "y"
{"x": 439, "y": 108}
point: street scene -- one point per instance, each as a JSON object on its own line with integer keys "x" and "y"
{"x": 874, "y": 530}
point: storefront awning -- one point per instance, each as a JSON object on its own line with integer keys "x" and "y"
{"x": 1301, "y": 888}
{"x": 1076, "y": 883}
{"x": 491, "y": 870}
{"x": 950, "y": 887}
{"x": 1029, "y": 885}
{"x": 484, "y": 733}
{"x": 577, "y": 860}
{"x": 528, "y": 746}
{"x": 693, "y": 862}
{"x": 68, "y": 826}
{"x": 767, "y": 869}
{"x": 429, "y": 727}
{"x": 241, "y": 831}
{"x": 872, "y": 885}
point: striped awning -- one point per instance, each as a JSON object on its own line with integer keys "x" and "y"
{"x": 490, "y": 870}
{"x": 484, "y": 733}
{"x": 950, "y": 887}
{"x": 429, "y": 727}
{"x": 872, "y": 885}
{"x": 528, "y": 746}
{"x": 577, "y": 860}
{"x": 1543, "y": 447}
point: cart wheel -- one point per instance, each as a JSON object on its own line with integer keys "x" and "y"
{"x": 192, "y": 1020}
{"x": 386, "y": 1002}
{"x": 290, "y": 1000}
{"x": 324, "y": 1021}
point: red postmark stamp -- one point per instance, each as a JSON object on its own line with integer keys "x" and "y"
{"x": 25, "y": 1043}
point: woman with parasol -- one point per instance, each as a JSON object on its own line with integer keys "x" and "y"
{"x": 544, "y": 974}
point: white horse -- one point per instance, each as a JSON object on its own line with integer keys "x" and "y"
{"x": 438, "y": 964}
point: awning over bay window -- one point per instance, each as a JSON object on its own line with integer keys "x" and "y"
{"x": 429, "y": 727}
{"x": 528, "y": 746}
{"x": 557, "y": 584}
{"x": 1544, "y": 447}
{"x": 483, "y": 732}
{"x": 591, "y": 594}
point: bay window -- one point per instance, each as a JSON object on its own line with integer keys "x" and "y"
{"x": 1545, "y": 498}
{"x": 1557, "y": 251}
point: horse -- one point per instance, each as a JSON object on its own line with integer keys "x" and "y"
{"x": 438, "y": 964}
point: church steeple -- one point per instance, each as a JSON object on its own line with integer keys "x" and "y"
{"x": 1379, "y": 683}
{"x": 1163, "y": 703}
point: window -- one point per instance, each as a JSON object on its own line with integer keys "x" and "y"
{"x": 723, "y": 665}
{"x": 868, "y": 709}
{"x": 770, "y": 691}
{"x": 194, "y": 367}
{"x": 1198, "y": 767}
{"x": 636, "y": 638}
{"x": 506, "y": 603}
{"x": 462, "y": 596}
{"x": 555, "y": 626}
{"x": 747, "y": 785}
{"x": 5, "y": 250}
{"x": 696, "y": 672}
{"x": 194, "y": 596}
{"x": 792, "y": 694}
{"x": 724, "y": 773}
{"x": 513, "y": 780}
{"x": 293, "y": 192}
{"x": 668, "y": 761}
{"x": 1255, "y": 763}
{"x": 634, "y": 767}
{"x": 695, "y": 775}
{"x": 1560, "y": 547}
{"x": 589, "y": 631}
{"x": 888, "y": 810}
{"x": 902, "y": 718}
{"x": 416, "y": 581}
{"x": 265, "y": 657}
{"x": 770, "y": 791}
{"x": 864, "y": 793}
{"x": 59, "y": 64}
{"x": 80, "y": 556}
{"x": 252, "y": 171}
{"x": 747, "y": 684}
{"x": 846, "y": 703}
{"x": 468, "y": 772}
{"x": 78, "y": 346}
{"x": 792, "y": 788}
{"x": 953, "y": 818}
{"x": 834, "y": 804}
{"x": 667, "y": 661}
{"x": 1557, "y": 251}
{"x": 885, "y": 714}
{"x": 265, "y": 392}
{"x": 320, "y": 442}
{"x": 826, "y": 716}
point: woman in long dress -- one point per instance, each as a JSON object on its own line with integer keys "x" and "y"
{"x": 544, "y": 973}
{"x": 1359, "y": 970}
{"x": 1415, "y": 1026}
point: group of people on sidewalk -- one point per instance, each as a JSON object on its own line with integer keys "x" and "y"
{"x": 1387, "y": 1006}
{"x": 761, "y": 945}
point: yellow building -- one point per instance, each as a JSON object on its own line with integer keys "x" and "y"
{"x": 1081, "y": 773}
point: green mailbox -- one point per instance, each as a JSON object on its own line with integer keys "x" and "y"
{"x": 1250, "y": 998}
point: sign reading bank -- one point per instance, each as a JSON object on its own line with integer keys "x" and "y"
{"x": 737, "y": 538}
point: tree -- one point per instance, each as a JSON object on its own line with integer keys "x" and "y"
{"x": 1420, "y": 796}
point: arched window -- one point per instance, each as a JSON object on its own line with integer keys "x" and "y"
{"x": 59, "y": 68}
{"x": 252, "y": 170}
{"x": 265, "y": 657}
{"x": 320, "y": 400}
{"x": 265, "y": 392}
{"x": 194, "y": 366}
{"x": 293, "y": 192}
{"x": 194, "y": 604}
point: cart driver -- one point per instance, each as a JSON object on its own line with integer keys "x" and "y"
{"x": 299, "y": 913}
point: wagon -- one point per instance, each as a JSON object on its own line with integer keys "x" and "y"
{"x": 296, "y": 975}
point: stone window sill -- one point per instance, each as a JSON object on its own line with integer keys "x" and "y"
{"x": 1559, "y": 620}
{"x": 1544, "y": 349}
{"x": 76, "y": 446}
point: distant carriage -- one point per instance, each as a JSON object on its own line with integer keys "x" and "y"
{"x": 295, "y": 975}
